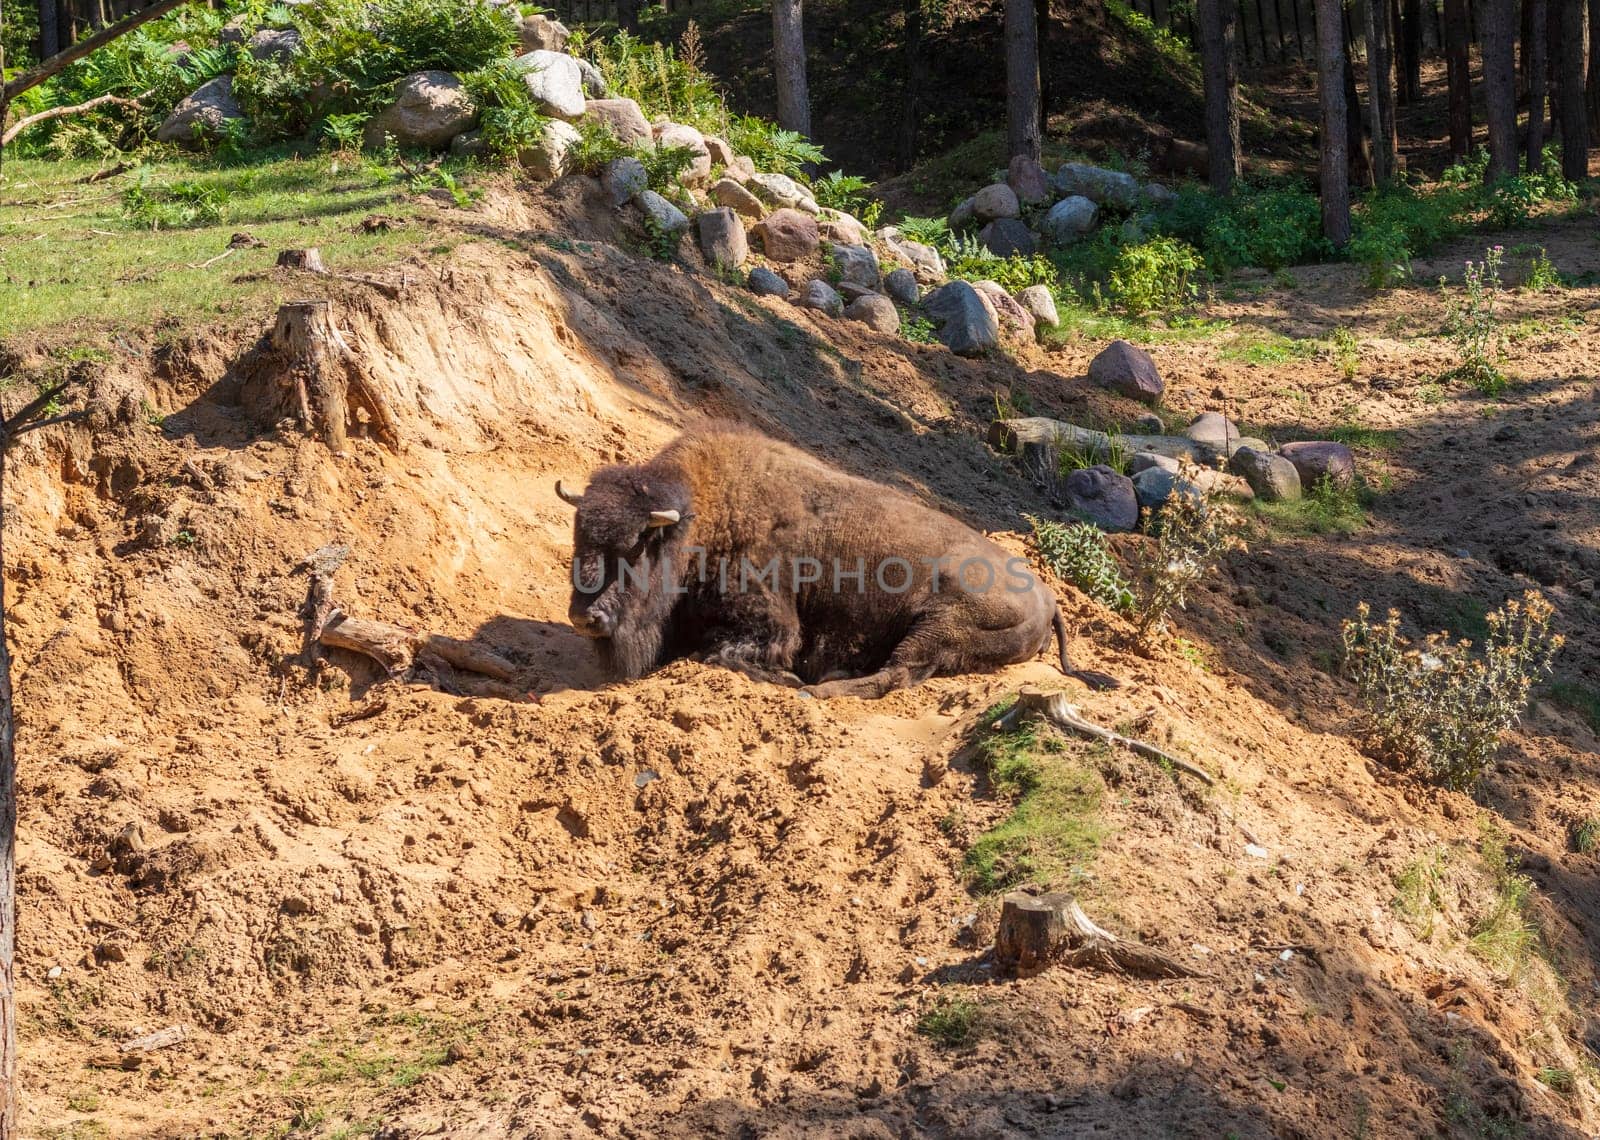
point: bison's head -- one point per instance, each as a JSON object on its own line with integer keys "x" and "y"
{"x": 630, "y": 523}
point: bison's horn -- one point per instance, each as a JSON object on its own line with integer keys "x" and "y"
{"x": 663, "y": 518}
{"x": 566, "y": 495}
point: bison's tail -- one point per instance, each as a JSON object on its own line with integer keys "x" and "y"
{"x": 1088, "y": 676}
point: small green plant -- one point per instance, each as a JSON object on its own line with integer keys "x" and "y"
{"x": 928, "y": 231}
{"x": 1558, "y": 1079}
{"x": 659, "y": 243}
{"x": 848, "y": 194}
{"x": 1470, "y": 324}
{"x": 1505, "y": 935}
{"x": 916, "y": 328}
{"x": 1192, "y": 533}
{"x": 1346, "y": 352}
{"x": 951, "y": 1021}
{"x": 508, "y": 119}
{"x": 1541, "y": 275}
{"x": 1078, "y": 553}
{"x": 772, "y": 148}
{"x": 1417, "y": 891}
{"x": 343, "y": 132}
{"x": 178, "y": 206}
{"x": 1442, "y": 709}
{"x": 1328, "y": 507}
{"x": 1154, "y": 276}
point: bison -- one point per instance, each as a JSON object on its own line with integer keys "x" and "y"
{"x": 748, "y": 553}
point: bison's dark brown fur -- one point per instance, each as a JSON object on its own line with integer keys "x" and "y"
{"x": 669, "y": 559}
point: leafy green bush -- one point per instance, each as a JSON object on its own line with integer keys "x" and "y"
{"x": 1191, "y": 536}
{"x": 182, "y": 204}
{"x": 968, "y": 260}
{"x": 1442, "y": 709}
{"x": 771, "y": 147}
{"x": 659, "y": 80}
{"x": 928, "y": 231}
{"x": 1266, "y": 226}
{"x": 848, "y": 194}
{"x": 1077, "y": 553}
{"x": 1154, "y": 275}
{"x": 508, "y": 120}
{"x": 596, "y": 147}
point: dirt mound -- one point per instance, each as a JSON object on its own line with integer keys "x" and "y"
{"x": 691, "y": 905}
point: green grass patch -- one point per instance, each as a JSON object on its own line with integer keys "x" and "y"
{"x": 128, "y": 251}
{"x": 1580, "y": 699}
{"x": 1363, "y": 438}
{"x": 1271, "y": 348}
{"x": 951, "y": 1021}
{"x": 1505, "y": 936}
{"x": 1325, "y": 508}
{"x": 1054, "y": 826}
{"x": 1417, "y": 891}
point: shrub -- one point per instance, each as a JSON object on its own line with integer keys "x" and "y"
{"x": 1470, "y": 324}
{"x": 343, "y": 132}
{"x": 848, "y": 193}
{"x": 1442, "y": 710}
{"x": 507, "y": 118}
{"x": 661, "y": 82}
{"x": 771, "y": 147}
{"x": 1077, "y": 553}
{"x": 180, "y": 205}
{"x": 1191, "y": 536}
{"x": 967, "y": 260}
{"x": 928, "y": 231}
{"x": 596, "y": 146}
{"x": 1265, "y": 226}
{"x": 1511, "y": 199}
{"x": 1154, "y": 275}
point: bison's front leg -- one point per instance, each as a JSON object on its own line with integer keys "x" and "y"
{"x": 746, "y": 658}
{"x": 760, "y": 638}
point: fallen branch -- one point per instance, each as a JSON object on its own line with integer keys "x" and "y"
{"x": 210, "y": 261}
{"x": 23, "y": 124}
{"x": 160, "y": 1039}
{"x": 1036, "y": 930}
{"x": 1056, "y": 708}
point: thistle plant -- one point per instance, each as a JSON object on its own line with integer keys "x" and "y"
{"x": 1191, "y": 536}
{"x": 1077, "y": 553}
{"x": 1470, "y": 323}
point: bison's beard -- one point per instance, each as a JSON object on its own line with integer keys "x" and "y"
{"x": 634, "y": 647}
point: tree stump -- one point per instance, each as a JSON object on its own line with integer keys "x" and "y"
{"x": 1036, "y": 930}
{"x": 329, "y": 383}
{"x": 309, "y": 260}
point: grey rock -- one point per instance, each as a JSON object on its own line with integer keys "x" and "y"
{"x": 623, "y": 179}
{"x": 1217, "y": 435}
{"x": 430, "y": 109}
{"x": 541, "y": 33}
{"x": 1102, "y": 187}
{"x": 767, "y": 283}
{"x": 902, "y": 286}
{"x": 622, "y": 117}
{"x": 1103, "y": 496}
{"x": 1006, "y": 236}
{"x": 778, "y": 190}
{"x": 788, "y": 235}
{"x": 857, "y": 264}
{"x": 1068, "y": 220}
{"x": 1272, "y": 477}
{"x": 996, "y": 200}
{"x": 200, "y": 115}
{"x": 1248, "y": 441}
{"x": 469, "y": 144}
{"x": 727, "y": 192}
{"x": 667, "y": 217}
{"x": 274, "y": 43}
{"x": 1155, "y": 485}
{"x": 967, "y": 324}
{"x": 1158, "y": 195}
{"x": 924, "y": 260}
{"x": 594, "y": 83}
{"x": 1150, "y": 424}
{"x": 1012, "y": 315}
{"x": 233, "y": 32}
{"x": 821, "y": 296}
{"x": 722, "y": 238}
{"x": 1128, "y": 371}
{"x": 555, "y": 81}
{"x": 547, "y": 157}
{"x": 681, "y": 135}
{"x": 1316, "y": 460}
{"x": 963, "y": 215}
{"x": 876, "y": 312}
{"x": 1040, "y": 304}
{"x": 1147, "y": 460}
{"x": 1028, "y": 179}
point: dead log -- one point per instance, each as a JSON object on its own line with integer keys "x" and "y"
{"x": 1036, "y": 930}
{"x": 23, "y": 124}
{"x": 327, "y": 381}
{"x": 397, "y": 649}
{"x": 308, "y": 260}
{"x": 1055, "y": 708}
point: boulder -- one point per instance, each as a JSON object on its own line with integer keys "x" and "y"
{"x": 876, "y": 312}
{"x": 1012, "y": 315}
{"x": 1249, "y": 441}
{"x": 555, "y": 81}
{"x": 840, "y": 227}
{"x": 722, "y": 238}
{"x": 622, "y": 118}
{"x": 767, "y": 283}
{"x": 662, "y": 214}
{"x": 821, "y": 296}
{"x": 547, "y": 157}
{"x": 1068, "y": 220}
{"x": 924, "y": 260}
{"x": 1272, "y": 477}
{"x": 788, "y": 235}
{"x": 1150, "y": 424}
{"x": 1101, "y": 186}
{"x": 594, "y": 83}
{"x": 1158, "y": 195}
{"x": 670, "y": 135}
{"x": 727, "y": 192}
{"x": 469, "y": 144}
{"x": 967, "y": 324}
{"x": 741, "y": 169}
{"x": 201, "y": 114}
{"x": 1128, "y": 371}
{"x": 721, "y": 153}
{"x": 1141, "y": 461}
{"x": 274, "y": 43}
{"x": 1102, "y": 496}
{"x": 901, "y": 285}
{"x": 780, "y": 190}
{"x": 233, "y": 32}
{"x": 857, "y": 265}
{"x": 1217, "y": 435}
{"x": 1040, "y": 304}
{"x": 1315, "y": 461}
{"x": 541, "y": 33}
{"x": 1028, "y": 179}
{"x": 961, "y": 217}
{"x": 624, "y": 179}
{"x": 995, "y": 201}
{"x": 430, "y": 108}
{"x": 1153, "y": 486}
{"x": 1006, "y": 236}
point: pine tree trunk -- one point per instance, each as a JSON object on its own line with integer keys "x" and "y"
{"x": 1538, "y": 82}
{"x": 1330, "y": 87}
{"x": 1380, "y": 89}
{"x": 49, "y": 30}
{"x": 789, "y": 66}
{"x": 1411, "y": 51}
{"x": 1591, "y": 86}
{"x": 1358, "y": 153}
{"x": 1022, "y": 79}
{"x": 1046, "y": 93}
{"x": 1569, "y": 69}
{"x": 1219, "y": 67}
{"x": 1499, "y": 81}
{"x": 1460, "y": 77}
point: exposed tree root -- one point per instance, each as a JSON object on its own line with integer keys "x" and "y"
{"x": 1056, "y": 708}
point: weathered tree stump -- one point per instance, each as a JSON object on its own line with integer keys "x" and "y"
{"x": 329, "y": 383}
{"x": 1036, "y": 930}
{"x": 307, "y": 260}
